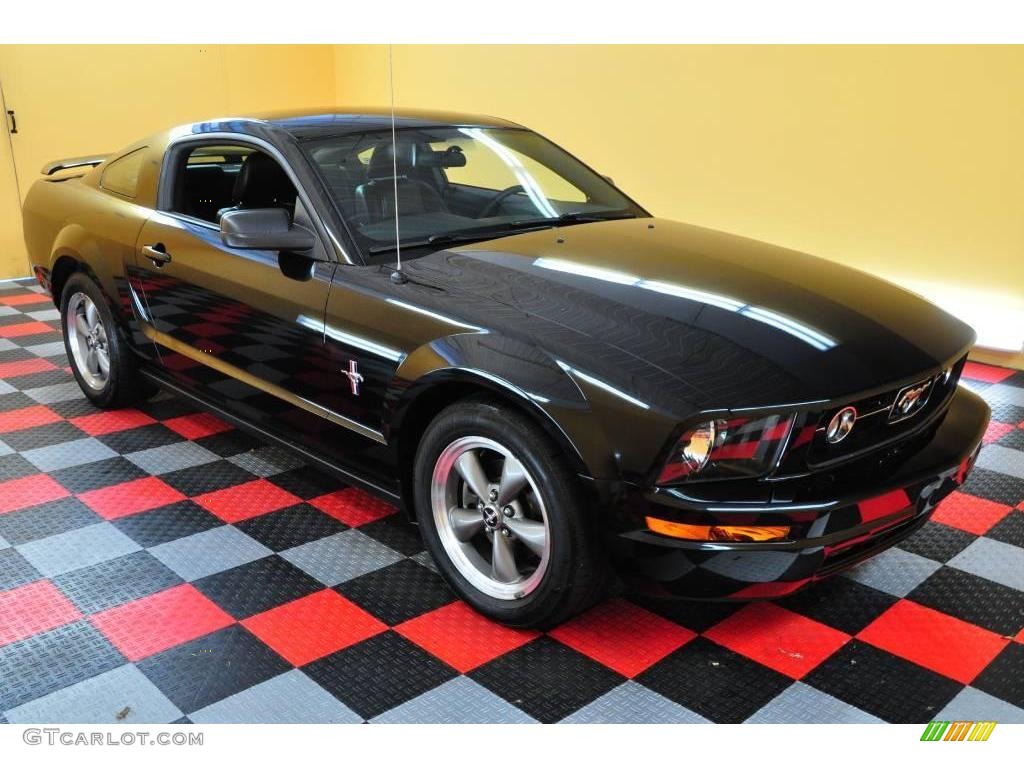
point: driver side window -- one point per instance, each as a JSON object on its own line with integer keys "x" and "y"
{"x": 211, "y": 179}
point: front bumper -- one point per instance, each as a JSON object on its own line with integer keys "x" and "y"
{"x": 837, "y": 521}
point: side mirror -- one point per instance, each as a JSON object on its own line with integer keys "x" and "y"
{"x": 267, "y": 229}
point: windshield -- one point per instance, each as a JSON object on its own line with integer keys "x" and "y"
{"x": 457, "y": 183}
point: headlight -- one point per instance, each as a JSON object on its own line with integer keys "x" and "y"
{"x": 718, "y": 449}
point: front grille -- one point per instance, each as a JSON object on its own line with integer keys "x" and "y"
{"x": 877, "y": 422}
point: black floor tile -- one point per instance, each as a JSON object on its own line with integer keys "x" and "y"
{"x": 994, "y": 486}
{"x": 40, "y": 437}
{"x": 987, "y": 604}
{"x": 399, "y": 592}
{"x": 53, "y": 660}
{"x": 714, "y": 682}
{"x": 1003, "y": 677}
{"x": 168, "y": 523}
{"x": 290, "y": 527}
{"x": 841, "y": 603}
{"x": 1009, "y": 530}
{"x": 116, "y": 581}
{"x": 13, "y": 466}
{"x": 47, "y": 519}
{"x": 257, "y": 586}
{"x": 214, "y": 476}
{"x": 140, "y": 438}
{"x": 212, "y": 667}
{"x": 396, "y": 533}
{"x": 546, "y": 679}
{"x": 937, "y": 542}
{"x": 15, "y": 570}
{"x": 378, "y": 674}
{"x": 884, "y": 685}
{"x": 98, "y": 474}
{"x": 306, "y": 482}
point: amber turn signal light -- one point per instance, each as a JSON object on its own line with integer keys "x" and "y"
{"x": 718, "y": 532}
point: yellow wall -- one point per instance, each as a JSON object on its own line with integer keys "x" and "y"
{"x": 79, "y": 100}
{"x": 906, "y": 161}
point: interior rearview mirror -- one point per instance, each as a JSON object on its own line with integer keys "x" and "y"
{"x": 268, "y": 229}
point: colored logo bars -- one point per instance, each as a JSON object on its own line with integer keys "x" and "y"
{"x": 959, "y": 730}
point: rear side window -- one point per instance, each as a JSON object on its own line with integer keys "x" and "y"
{"x": 122, "y": 175}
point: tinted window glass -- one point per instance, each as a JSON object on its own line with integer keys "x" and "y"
{"x": 211, "y": 179}
{"x": 454, "y": 182}
{"x": 122, "y": 175}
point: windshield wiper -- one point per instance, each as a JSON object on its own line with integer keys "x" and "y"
{"x": 514, "y": 227}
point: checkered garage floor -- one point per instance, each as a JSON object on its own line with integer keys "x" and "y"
{"x": 157, "y": 565}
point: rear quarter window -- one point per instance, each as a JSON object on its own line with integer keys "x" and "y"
{"x": 121, "y": 176}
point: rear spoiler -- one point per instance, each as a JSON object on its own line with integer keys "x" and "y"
{"x": 71, "y": 162}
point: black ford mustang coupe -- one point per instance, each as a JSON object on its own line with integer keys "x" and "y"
{"x": 549, "y": 381}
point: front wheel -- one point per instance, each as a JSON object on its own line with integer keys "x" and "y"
{"x": 501, "y": 513}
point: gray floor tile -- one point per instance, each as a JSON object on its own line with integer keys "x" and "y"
{"x": 56, "y": 393}
{"x": 894, "y": 571}
{"x": 170, "y": 458}
{"x": 5, "y": 449}
{"x": 44, "y": 315}
{"x": 800, "y": 703}
{"x": 972, "y": 704}
{"x": 122, "y": 696}
{"x": 70, "y": 454}
{"x": 1005, "y": 393}
{"x": 5, "y": 388}
{"x": 999, "y": 458}
{"x": 266, "y": 460}
{"x": 993, "y": 560}
{"x": 209, "y": 552}
{"x": 343, "y": 556}
{"x": 76, "y": 549}
{"x": 288, "y": 698}
{"x": 458, "y": 701}
{"x": 633, "y": 703}
{"x": 49, "y": 349}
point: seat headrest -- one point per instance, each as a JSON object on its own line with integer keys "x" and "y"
{"x": 261, "y": 182}
{"x": 383, "y": 161}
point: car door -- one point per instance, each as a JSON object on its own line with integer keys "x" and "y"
{"x": 241, "y": 327}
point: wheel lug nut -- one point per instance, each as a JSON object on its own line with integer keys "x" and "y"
{"x": 493, "y": 494}
{"x": 508, "y": 511}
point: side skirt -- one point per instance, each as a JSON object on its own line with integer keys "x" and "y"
{"x": 392, "y": 497}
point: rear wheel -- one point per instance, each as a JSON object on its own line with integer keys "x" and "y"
{"x": 501, "y": 514}
{"x": 106, "y": 369}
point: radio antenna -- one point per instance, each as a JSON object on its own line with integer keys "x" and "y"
{"x": 396, "y": 276}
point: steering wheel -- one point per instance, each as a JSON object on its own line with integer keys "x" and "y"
{"x": 498, "y": 199}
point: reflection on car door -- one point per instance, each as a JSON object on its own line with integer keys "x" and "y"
{"x": 230, "y": 325}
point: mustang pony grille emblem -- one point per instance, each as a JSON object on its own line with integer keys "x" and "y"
{"x": 841, "y": 425}
{"x": 910, "y": 400}
{"x": 355, "y": 378}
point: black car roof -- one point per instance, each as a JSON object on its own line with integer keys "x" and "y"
{"x": 329, "y": 121}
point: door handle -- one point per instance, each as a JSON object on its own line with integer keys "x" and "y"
{"x": 157, "y": 254}
{"x": 13, "y": 121}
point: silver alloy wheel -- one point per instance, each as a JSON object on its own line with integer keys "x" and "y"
{"x": 490, "y": 517}
{"x": 87, "y": 339}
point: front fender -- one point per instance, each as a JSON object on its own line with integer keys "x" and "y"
{"x": 515, "y": 371}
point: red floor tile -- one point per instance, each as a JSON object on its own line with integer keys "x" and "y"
{"x": 20, "y": 299}
{"x": 313, "y": 626}
{"x": 461, "y": 637}
{"x": 989, "y": 373}
{"x": 106, "y": 422}
{"x": 352, "y": 506}
{"x": 240, "y": 502}
{"x": 197, "y": 425}
{"x": 161, "y": 621}
{"x": 935, "y": 640}
{"x": 623, "y": 636}
{"x": 24, "y": 329}
{"x": 996, "y": 430}
{"x": 969, "y": 513}
{"x": 26, "y": 418}
{"x": 25, "y": 367}
{"x": 29, "y": 491}
{"x": 778, "y": 638}
{"x": 33, "y": 608}
{"x": 117, "y": 501}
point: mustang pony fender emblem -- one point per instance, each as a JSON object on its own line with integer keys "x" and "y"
{"x": 355, "y": 378}
{"x": 909, "y": 401}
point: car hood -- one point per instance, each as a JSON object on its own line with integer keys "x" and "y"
{"x": 729, "y": 322}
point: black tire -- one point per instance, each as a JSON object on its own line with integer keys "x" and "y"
{"x": 123, "y": 385}
{"x": 577, "y": 572}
